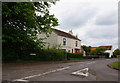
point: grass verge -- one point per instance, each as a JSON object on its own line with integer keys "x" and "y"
{"x": 115, "y": 65}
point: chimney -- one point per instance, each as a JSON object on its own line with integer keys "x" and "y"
{"x": 70, "y": 32}
{"x": 76, "y": 36}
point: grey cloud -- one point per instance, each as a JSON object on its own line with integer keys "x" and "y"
{"x": 77, "y": 17}
{"x": 107, "y": 19}
{"x": 102, "y": 33}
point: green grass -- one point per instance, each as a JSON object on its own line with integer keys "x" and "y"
{"x": 115, "y": 64}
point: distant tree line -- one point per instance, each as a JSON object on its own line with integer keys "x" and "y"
{"x": 97, "y": 51}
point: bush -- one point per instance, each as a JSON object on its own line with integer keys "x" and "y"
{"x": 116, "y": 52}
{"x": 74, "y": 55}
{"x": 54, "y": 55}
{"x": 9, "y": 55}
{"x": 106, "y": 55}
{"x": 41, "y": 55}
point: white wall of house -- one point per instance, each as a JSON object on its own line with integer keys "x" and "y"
{"x": 70, "y": 44}
{"x": 51, "y": 41}
{"x": 54, "y": 40}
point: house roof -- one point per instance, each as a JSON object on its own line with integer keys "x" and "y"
{"x": 65, "y": 34}
{"x": 94, "y": 47}
{"x": 106, "y": 47}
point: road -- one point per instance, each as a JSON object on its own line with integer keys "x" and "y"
{"x": 84, "y": 70}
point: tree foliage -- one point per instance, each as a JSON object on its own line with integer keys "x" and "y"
{"x": 87, "y": 49}
{"x": 98, "y": 51}
{"x": 116, "y": 52}
{"x": 21, "y": 24}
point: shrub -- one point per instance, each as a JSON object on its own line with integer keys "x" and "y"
{"x": 41, "y": 55}
{"x": 116, "y": 52}
{"x": 9, "y": 55}
{"x": 54, "y": 55}
{"x": 74, "y": 55}
{"x": 106, "y": 55}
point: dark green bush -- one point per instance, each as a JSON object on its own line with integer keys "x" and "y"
{"x": 74, "y": 55}
{"x": 9, "y": 55}
{"x": 41, "y": 55}
{"x": 54, "y": 55}
{"x": 106, "y": 55}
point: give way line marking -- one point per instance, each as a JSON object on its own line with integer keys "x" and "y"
{"x": 83, "y": 72}
{"x": 45, "y": 73}
{"x": 91, "y": 63}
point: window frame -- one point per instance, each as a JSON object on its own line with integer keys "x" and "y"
{"x": 76, "y": 43}
{"x": 64, "y": 41}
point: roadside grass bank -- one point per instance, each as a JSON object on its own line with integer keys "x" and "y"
{"x": 115, "y": 65}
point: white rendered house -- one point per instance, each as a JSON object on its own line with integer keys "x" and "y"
{"x": 62, "y": 40}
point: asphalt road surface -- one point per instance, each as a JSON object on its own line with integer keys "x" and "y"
{"x": 84, "y": 70}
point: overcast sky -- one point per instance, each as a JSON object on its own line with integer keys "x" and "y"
{"x": 94, "y": 21}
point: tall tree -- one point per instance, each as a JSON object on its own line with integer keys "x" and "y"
{"x": 21, "y": 24}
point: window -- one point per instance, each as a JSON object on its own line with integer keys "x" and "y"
{"x": 64, "y": 41}
{"x": 68, "y": 50}
{"x": 76, "y": 43}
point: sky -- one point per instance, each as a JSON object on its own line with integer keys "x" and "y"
{"x": 95, "y": 22}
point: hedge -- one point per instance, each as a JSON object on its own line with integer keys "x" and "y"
{"x": 74, "y": 55}
{"x": 54, "y": 55}
{"x": 9, "y": 55}
{"x": 41, "y": 55}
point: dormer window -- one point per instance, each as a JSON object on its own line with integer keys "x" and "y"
{"x": 64, "y": 41}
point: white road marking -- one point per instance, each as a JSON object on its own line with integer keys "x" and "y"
{"x": 90, "y": 63}
{"x": 23, "y": 79}
{"x": 83, "y": 72}
{"x": 107, "y": 59}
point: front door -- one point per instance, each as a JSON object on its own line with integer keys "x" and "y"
{"x": 77, "y": 50}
